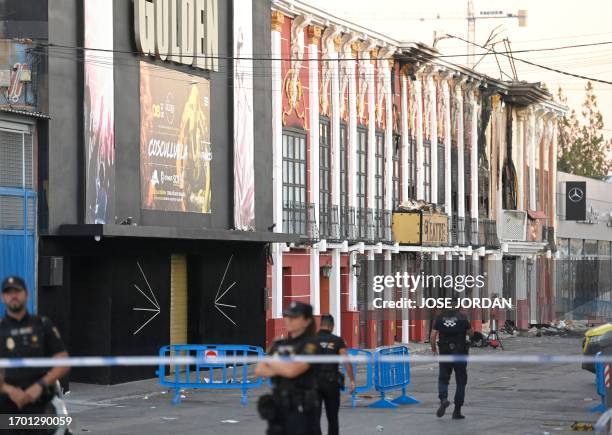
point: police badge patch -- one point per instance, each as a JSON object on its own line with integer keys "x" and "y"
{"x": 10, "y": 343}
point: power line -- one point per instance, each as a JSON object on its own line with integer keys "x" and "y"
{"x": 268, "y": 58}
{"x": 536, "y": 64}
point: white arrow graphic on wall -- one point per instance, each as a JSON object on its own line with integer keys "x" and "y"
{"x": 218, "y": 296}
{"x": 151, "y": 299}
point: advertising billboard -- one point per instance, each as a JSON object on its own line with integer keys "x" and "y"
{"x": 175, "y": 148}
{"x": 244, "y": 167}
{"x": 98, "y": 113}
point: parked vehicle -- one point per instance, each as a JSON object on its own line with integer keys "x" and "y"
{"x": 595, "y": 340}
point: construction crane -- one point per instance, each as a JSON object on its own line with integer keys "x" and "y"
{"x": 521, "y": 15}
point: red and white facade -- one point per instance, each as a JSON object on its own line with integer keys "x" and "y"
{"x": 362, "y": 123}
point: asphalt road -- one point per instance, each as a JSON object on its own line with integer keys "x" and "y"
{"x": 501, "y": 399}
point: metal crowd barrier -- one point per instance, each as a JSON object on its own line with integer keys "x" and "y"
{"x": 392, "y": 375}
{"x": 604, "y": 423}
{"x": 602, "y": 380}
{"x": 368, "y": 382}
{"x": 207, "y": 373}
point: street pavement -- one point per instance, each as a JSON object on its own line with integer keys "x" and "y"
{"x": 501, "y": 399}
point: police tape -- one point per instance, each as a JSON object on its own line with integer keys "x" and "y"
{"x": 102, "y": 361}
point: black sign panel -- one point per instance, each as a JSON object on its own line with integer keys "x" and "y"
{"x": 575, "y": 200}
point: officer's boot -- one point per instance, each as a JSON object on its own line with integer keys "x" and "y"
{"x": 442, "y": 409}
{"x": 457, "y": 413}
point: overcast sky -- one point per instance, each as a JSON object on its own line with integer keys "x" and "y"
{"x": 550, "y": 23}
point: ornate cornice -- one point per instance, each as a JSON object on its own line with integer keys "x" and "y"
{"x": 313, "y": 34}
{"x": 277, "y": 21}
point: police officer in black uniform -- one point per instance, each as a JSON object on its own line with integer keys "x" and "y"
{"x": 449, "y": 332}
{"x": 292, "y": 407}
{"x": 22, "y": 335}
{"x": 330, "y": 380}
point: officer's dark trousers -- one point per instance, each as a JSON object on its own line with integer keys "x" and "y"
{"x": 446, "y": 368}
{"x": 293, "y": 422}
{"x": 330, "y": 396}
{"x": 8, "y": 407}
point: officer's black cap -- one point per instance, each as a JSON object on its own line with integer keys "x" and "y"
{"x": 13, "y": 282}
{"x": 297, "y": 308}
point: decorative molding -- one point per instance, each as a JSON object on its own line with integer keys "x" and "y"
{"x": 345, "y": 70}
{"x": 328, "y": 47}
{"x": 277, "y": 21}
{"x": 383, "y": 85}
{"x": 365, "y": 78}
{"x": 313, "y": 34}
{"x": 293, "y": 87}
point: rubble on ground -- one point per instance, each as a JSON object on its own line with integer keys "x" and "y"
{"x": 561, "y": 327}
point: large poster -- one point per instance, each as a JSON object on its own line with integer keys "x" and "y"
{"x": 244, "y": 178}
{"x": 98, "y": 112}
{"x": 175, "y": 148}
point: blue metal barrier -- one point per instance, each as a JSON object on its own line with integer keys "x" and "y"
{"x": 601, "y": 385}
{"x": 369, "y": 364}
{"x": 207, "y": 373}
{"x": 392, "y": 375}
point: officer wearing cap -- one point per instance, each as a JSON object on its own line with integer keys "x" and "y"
{"x": 449, "y": 331}
{"x": 292, "y": 407}
{"x": 330, "y": 380}
{"x": 23, "y": 335}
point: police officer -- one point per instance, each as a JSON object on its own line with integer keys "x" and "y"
{"x": 292, "y": 407}
{"x": 22, "y": 335}
{"x": 330, "y": 380}
{"x": 449, "y": 331}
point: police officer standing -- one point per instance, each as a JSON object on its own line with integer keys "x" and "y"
{"x": 292, "y": 407}
{"x": 22, "y": 335}
{"x": 330, "y": 380}
{"x": 449, "y": 331}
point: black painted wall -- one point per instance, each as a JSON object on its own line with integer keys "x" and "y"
{"x": 94, "y": 309}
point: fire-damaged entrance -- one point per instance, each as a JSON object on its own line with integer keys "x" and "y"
{"x": 131, "y": 297}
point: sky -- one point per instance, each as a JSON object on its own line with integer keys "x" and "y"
{"x": 549, "y": 24}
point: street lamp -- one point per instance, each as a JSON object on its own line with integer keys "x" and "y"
{"x": 326, "y": 270}
{"x": 357, "y": 269}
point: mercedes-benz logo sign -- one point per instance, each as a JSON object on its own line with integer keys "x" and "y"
{"x": 576, "y": 194}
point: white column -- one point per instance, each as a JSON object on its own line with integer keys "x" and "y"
{"x": 447, "y": 150}
{"x": 405, "y": 311}
{"x": 474, "y": 160}
{"x": 277, "y": 157}
{"x": 334, "y": 290}
{"x": 460, "y": 153}
{"x": 532, "y": 151}
{"x": 520, "y": 170}
{"x": 352, "y": 304}
{"x": 388, "y": 136}
{"x": 350, "y": 60}
{"x": 433, "y": 128}
{"x": 552, "y": 162}
{"x": 313, "y": 95}
{"x": 405, "y": 138}
{"x": 335, "y": 124}
{"x": 420, "y": 169}
{"x": 371, "y": 156}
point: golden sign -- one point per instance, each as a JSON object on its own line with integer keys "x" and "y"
{"x": 434, "y": 229}
{"x": 407, "y": 228}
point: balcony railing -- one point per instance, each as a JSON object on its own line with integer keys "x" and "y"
{"x": 383, "y": 226}
{"x": 458, "y": 231}
{"x": 348, "y": 228}
{"x": 329, "y": 224}
{"x": 298, "y": 218}
{"x": 365, "y": 225}
{"x": 487, "y": 231}
{"x": 550, "y": 238}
